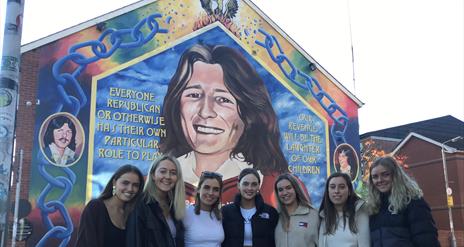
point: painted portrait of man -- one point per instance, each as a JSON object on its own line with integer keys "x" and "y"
{"x": 60, "y": 141}
{"x": 219, "y": 118}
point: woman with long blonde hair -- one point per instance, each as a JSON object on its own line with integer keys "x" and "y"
{"x": 399, "y": 214}
{"x": 157, "y": 217}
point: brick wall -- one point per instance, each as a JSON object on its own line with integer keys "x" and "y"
{"x": 444, "y": 237}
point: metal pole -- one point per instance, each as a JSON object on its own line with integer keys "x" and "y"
{"x": 18, "y": 189}
{"x": 11, "y": 15}
{"x": 445, "y": 172}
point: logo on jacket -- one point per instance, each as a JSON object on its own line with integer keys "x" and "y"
{"x": 303, "y": 224}
{"x": 264, "y": 215}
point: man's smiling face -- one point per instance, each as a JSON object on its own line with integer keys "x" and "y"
{"x": 209, "y": 112}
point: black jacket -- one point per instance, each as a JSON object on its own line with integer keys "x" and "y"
{"x": 263, "y": 224}
{"x": 413, "y": 226}
{"x": 96, "y": 228}
{"x": 147, "y": 227}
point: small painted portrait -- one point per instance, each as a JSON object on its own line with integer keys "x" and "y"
{"x": 62, "y": 139}
{"x": 345, "y": 160}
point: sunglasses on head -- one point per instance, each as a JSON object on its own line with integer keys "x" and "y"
{"x": 208, "y": 174}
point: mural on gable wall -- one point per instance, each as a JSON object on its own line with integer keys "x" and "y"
{"x": 120, "y": 93}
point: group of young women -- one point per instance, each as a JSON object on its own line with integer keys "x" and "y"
{"x": 395, "y": 213}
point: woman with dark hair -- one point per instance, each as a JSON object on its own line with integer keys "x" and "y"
{"x": 103, "y": 220}
{"x": 399, "y": 214}
{"x": 219, "y": 117}
{"x": 156, "y": 220}
{"x": 203, "y": 221}
{"x": 344, "y": 218}
{"x": 248, "y": 221}
{"x": 60, "y": 141}
{"x": 298, "y": 220}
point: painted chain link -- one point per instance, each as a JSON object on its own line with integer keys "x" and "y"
{"x": 304, "y": 81}
{"x": 71, "y": 99}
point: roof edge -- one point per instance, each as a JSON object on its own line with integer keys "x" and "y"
{"x": 419, "y": 136}
{"x": 410, "y": 124}
{"x": 383, "y": 138}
